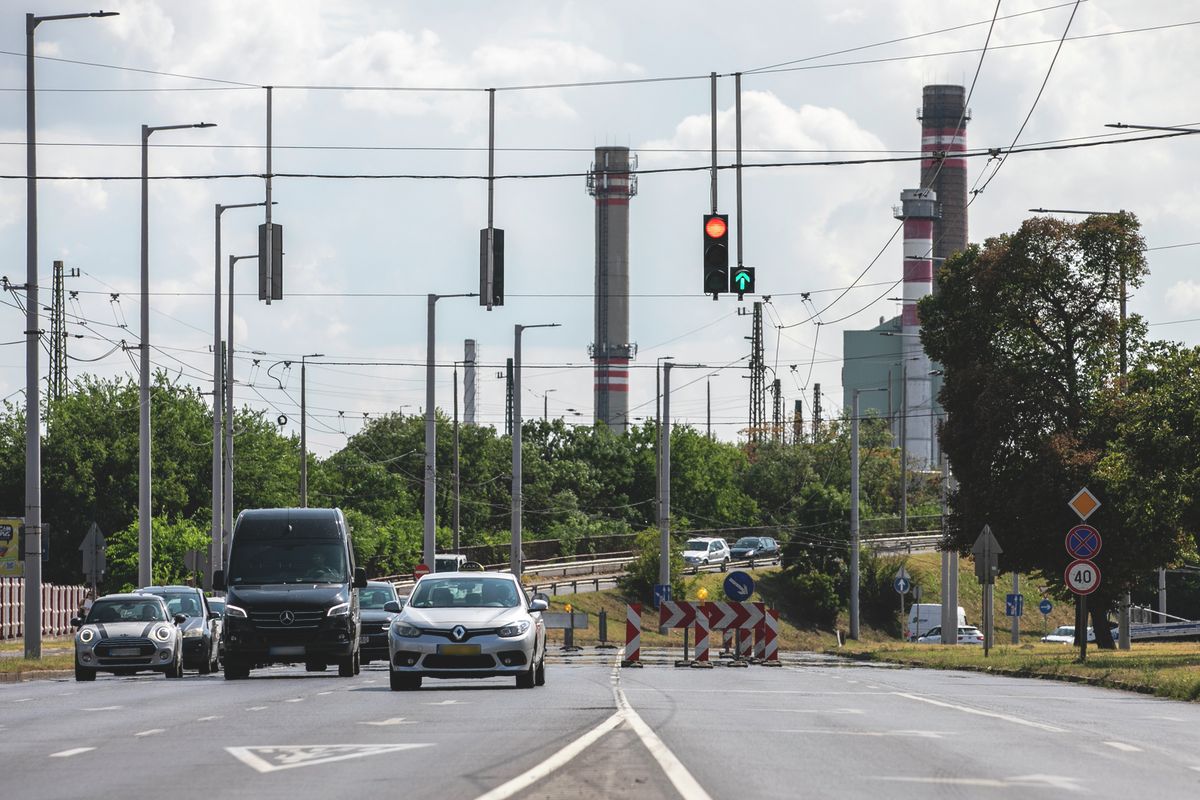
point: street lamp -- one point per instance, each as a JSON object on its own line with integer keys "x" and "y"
{"x": 33, "y": 409}
{"x": 228, "y": 526}
{"x": 303, "y": 431}
{"x": 430, "y": 538}
{"x": 145, "y": 557}
{"x": 854, "y": 532}
{"x": 546, "y": 404}
{"x": 218, "y": 501}
{"x": 514, "y": 556}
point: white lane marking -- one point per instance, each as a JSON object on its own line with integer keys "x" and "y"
{"x": 980, "y": 712}
{"x": 74, "y": 751}
{"x": 150, "y": 732}
{"x": 273, "y": 759}
{"x": 532, "y": 776}
{"x": 103, "y": 708}
{"x": 905, "y": 734}
{"x": 447, "y": 703}
{"x": 687, "y": 786}
{"x": 257, "y": 708}
{"x": 321, "y": 693}
{"x": 1168, "y": 719}
{"x": 23, "y": 700}
{"x": 208, "y": 719}
{"x": 392, "y": 721}
{"x": 1122, "y": 746}
{"x": 1039, "y": 781}
{"x": 295, "y": 700}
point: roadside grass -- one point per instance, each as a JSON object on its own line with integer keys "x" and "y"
{"x": 19, "y": 666}
{"x": 18, "y": 645}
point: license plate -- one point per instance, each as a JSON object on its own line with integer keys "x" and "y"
{"x": 458, "y": 649}
{"x": 122, "y": 652}
{"x": 287, "y": 650}
{"x": 364, "y": 639}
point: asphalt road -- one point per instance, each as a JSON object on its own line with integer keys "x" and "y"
{"x": 817, "y": 727}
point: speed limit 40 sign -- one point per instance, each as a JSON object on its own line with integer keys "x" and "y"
{"x": 1082, "y": 576}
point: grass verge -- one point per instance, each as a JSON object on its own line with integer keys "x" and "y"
{"x": 15, "y": 668}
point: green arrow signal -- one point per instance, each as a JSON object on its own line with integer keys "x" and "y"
{"x": 742, "y": 279}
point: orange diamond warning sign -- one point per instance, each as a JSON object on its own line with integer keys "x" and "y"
{"x": 1084, "y": 503}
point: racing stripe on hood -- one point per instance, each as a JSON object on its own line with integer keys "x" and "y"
{"x": 100, "y": 627}
{"x": 146, "y": 630}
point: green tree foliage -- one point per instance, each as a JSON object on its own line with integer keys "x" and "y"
{"x": 169, "y": 541}
{"x": 1028, "y": 331}
{"x": 641, "y": 576}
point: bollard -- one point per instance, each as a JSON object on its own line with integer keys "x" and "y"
{"x": 604, "y": 643}
{"x": 760, "y": 634}
{"x": 685, "y": 662}
{"x": 569, "y": 638}
{"x": 739, "y": 644}
{"x": 633, "y": 636}
{"x": 771, "y": 653}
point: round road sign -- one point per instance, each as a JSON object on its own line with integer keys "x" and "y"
{"x": 1045, "y": 606}
{"x": 902, "y": 585}
{"x": 1082, "y": 576}
{"x": 420, "y": 569}
{"x": 1083, "y": 541}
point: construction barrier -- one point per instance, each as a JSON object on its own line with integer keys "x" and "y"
{"x": 633, "y": 636}
{"x": 727, "y": 643}
{"x": 760, "y": 632}
{"x": 59, "y": 605}
{"x": 771, "y": 649}
{"x": 702, "y": 640}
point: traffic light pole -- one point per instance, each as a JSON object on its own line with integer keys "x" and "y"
{"x": 712, "y": 77}
{"x": 737, "y": 104}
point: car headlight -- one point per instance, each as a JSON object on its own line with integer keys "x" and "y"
{"x": 405, "y": 630}
{"x": 86, "y": 635}
{"x": 235, "y": 612}
{"x": 515, "y": 629}
{"x": 192, "y": 633}
{"x": 162, "y": 633}
{"x": 340, "y": 610}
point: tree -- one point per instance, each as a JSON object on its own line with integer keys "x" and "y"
{"x": 1028, "y": 331}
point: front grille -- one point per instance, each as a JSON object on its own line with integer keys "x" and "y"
{"x": 369, "y": 628}
{"x": 445, "y": 634}
{"x": 303, "y": 620}
{"x": 145, "y": 648}
{"x": 458, "y": 662}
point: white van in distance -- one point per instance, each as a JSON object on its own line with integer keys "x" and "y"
{"x": 924, "y": 616}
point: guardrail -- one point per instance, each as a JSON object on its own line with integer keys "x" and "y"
{"x": 59, "y": 604}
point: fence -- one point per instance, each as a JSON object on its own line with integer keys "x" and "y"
{"x": 59, "y": 604}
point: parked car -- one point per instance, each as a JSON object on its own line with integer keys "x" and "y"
{"x": 373, "y": 643}
{"x": 128, "y": 633}
{"x": 1065, "y": 634}
{"x": 201, "y": 630}
{"x": 967, "y": 634}
{"x": 754, "y": 548}
{"x": 706, "y": 550}
{"x": 467, "y": 625}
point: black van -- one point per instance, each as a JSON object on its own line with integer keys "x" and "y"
{"x": 291, "y": 592}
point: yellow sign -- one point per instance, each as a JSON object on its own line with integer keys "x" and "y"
{"x": 10, "y": 542}
{"x": 1084, "y": 503}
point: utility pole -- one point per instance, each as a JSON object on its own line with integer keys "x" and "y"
{"x": 708, "y": 407}
{"x": 304, "y": 428}
{"x": 58, "y": 333}
{"x": 508, "y": 397}
{"x": 816, "y": 422}
{"x": 515, "y": 557}
{"x": 758, "y": 378}
{"x": 456, "y": 476}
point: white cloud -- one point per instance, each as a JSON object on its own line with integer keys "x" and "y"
{"x": 1184, "y": 297}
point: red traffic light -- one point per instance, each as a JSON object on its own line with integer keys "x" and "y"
{"x": 715, "y": 227}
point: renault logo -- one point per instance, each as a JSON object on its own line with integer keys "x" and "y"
{"x": 458, "y": 632}
{"x": 287, "y": 618}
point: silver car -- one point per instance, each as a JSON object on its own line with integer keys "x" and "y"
{"x": 128, "y": 633}
{"x": 467, "y": 625}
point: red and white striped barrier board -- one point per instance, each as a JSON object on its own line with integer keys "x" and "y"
{"x": 745, "y": 645}
{"x": 726, "y": 640}
{"x": 702, "y": 638}
{"x": 771, "y": 648}
{"x": 633, "y": 635}
{"x": 760, "y": 631}
{"x": 678, "y": 614}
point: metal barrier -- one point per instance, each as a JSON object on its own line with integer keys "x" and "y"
{"x": 59, "y": 605}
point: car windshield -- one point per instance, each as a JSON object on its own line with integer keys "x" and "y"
{"x": 376, "y": 596}
{"x": 696, "y": 544}
{"x": 186, "y": 603}
{"x": 216, "y": 605}
{"x": 1064, "y": 630}
{"x": 148, "y": 610}
{"x": 465, "y": 593}
{"x": 747, "y": 541}
{"x": 282, "y": 561}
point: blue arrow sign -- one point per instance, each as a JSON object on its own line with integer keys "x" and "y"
{"x": 662, "y": 591}
{"x": 1014, "y": 605}
{"x": 739, "y": 586}
{"x": 1045, "y": 606}
{"x": 902, "y": 585}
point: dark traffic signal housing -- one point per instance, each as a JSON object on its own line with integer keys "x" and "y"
{"x": 716, "y": 254}
{"x": 741, "y": 281}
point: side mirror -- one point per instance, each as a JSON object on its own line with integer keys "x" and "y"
{"x": 179, "y": 619}
{"x": 76, "y": 622}
{"x": 214, "y": 614}
{"x": 360, "y": 578}
{"x": 392, "y": 607}
{"x": 219, "y": 580}
{"x": 538, "y": 604}
{"x": 543, "y": 596}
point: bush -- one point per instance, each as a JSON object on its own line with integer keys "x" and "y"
{"x": 641, "y": 576}
{"x": 804, "y": 597}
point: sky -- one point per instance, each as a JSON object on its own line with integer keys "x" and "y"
{"x": 399, "y": 89}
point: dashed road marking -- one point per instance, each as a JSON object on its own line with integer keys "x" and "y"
{"x": 321, "y": 693}
{"x": 392, "y": 721}
{"x": 826, "y": 732}
{"x": 980, "y": 712}
{"x": 447, "y": 703}
{"x": 150, "y": 732}
{"x": 1123, "y": 747}
{"x": 74, "y": 751}
{"x": 257, "y": 708}
{"x": 208, "y": 719}
{"x": 103, "y": 708}
{"x": 273, "y": 759}
{"x": 294, "y": 700}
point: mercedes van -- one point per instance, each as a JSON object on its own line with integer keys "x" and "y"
{"x": 291, "y": 592}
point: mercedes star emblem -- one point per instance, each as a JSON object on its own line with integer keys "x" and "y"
{"x": 287, "y": 618}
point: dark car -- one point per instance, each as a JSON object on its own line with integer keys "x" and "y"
{"x": 201, "y": 631}
{"x": 755, "y": 548}
{"x": 373, "y": 643}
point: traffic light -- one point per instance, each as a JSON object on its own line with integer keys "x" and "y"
{"x": 270, "y": 262}
{"x": 741, "y": 280}
{"x": 491, "y": 281}
{"x": 716, "y": 254}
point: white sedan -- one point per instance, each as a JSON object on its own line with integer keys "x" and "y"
{"x": 968, "y": 634}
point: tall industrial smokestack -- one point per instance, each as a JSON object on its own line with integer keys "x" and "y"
{"x": 944, "y": 118}
{"x": 611, "y": 184}
{"x": 919, "y": 211}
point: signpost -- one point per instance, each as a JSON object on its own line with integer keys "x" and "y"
{"x": 1014, "y": 605}
{"x": 902, "y": 584}
{"x": 987, "y": 566}
{"x": 1045, "y": 607}
{"x": 92, "y": 549}
{"x": 1082, "y": 576}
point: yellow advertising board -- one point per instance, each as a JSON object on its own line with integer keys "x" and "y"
{"x": 10, "y": 542}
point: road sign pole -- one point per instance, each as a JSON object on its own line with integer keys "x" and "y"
{"x": 1081, "y": 626}
{"x": 1016, "y": 620}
